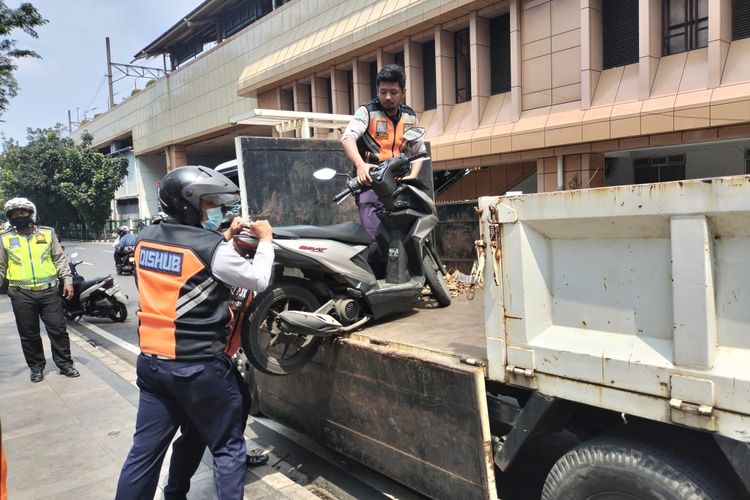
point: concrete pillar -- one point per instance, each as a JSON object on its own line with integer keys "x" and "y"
{"x": 649, "y": 44}
{"x": 515, "y": 58}
{"x": 592, "y": 44}
{"x": 361, "y": 77}
{"x": 176, "y": 156}
{"x": 445, "y": 71}
{"x": 414, "y": 75}
{"x": 719, "y": 38}
{"x": 340, "y": 92}
{"x": 479, "y": 54}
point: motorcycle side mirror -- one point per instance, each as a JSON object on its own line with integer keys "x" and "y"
{"x": 74, "y": 255}
{"x": 325, "y": 174}
{"x": 414, "y": 133}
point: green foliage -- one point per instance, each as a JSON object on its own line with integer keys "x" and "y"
{"x": 25, "y": 18}
{"x": 69, "y": 183}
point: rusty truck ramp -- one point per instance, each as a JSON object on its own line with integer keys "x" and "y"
{"x": 400, "y": 398}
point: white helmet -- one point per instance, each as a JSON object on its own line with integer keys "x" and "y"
{"x": 20, "y": 203}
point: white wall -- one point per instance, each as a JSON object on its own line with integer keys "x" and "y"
{"x": 151, "y": 168}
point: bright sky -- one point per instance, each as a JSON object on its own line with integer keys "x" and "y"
{"x": 70, "y": 74}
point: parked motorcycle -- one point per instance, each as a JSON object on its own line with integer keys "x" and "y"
{"x": 100, "y": 297}
{"x": 323, "y": 284}
{"x": 127, "y": 261}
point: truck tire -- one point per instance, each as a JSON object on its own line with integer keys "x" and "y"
{"x": 436, "y": 281}
{"x": 261, "y": 328}
{"x": 618, "y": 468}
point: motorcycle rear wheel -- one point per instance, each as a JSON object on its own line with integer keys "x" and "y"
{"x": 266, "y": 347}
{"x": 435, "y": 279}
{"x": 120, "y": 313}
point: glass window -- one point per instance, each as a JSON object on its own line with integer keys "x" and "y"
{"x": 429, "y": 77}
{"x": 659, "y": 169}
{"x": 740, "y": 19}
{"x": 463, "y": 66}
{"x": 500, "y": 54}
{"x": 685, "y": 25}
{"x": 398, "y": 59}
{"x": 373, "y": 79}
{"x": 619, "y": 23}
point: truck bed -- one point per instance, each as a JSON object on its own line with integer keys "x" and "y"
{"x": 457, "y": 330}
{"x": 401, "y": 397}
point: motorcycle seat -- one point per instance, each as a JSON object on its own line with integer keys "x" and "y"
{"x": 86, "y": 284}
{"x": 346, "y": 232}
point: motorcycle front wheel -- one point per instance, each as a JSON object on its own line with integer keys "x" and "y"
{"x": 436, "y": 281}
{"x": 269, "y": 349}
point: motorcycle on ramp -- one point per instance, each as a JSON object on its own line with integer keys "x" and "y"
{"x": 323, "y": 285}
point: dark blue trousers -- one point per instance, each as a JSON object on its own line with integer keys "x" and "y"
{"x": 200, "y": 396}
{"x": 188, "y": 449}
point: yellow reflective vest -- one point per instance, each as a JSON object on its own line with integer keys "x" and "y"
{"x": 30, "y": 261}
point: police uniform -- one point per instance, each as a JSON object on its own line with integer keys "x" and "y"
{"x": 379, "y": 137}
{"x": 185, "y": 377}
{"x": 32, "y": 264}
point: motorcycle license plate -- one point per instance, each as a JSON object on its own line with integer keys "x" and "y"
{"x": 112, "y": 291}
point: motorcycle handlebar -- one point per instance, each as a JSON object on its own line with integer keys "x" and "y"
{"x": 340, "y": 196}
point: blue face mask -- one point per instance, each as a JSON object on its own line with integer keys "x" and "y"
{"x": 215, "y": 216}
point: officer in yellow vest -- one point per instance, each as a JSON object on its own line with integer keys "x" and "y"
{"x": 32, "y": 260}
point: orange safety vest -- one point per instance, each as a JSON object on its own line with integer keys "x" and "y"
{"x": 383, "y": 138}
{"x": 184, "y": 310}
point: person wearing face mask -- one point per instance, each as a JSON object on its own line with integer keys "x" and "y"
{"x": 184, "y": 268}
{"x": 32, "y": 261}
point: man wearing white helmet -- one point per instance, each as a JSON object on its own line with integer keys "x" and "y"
{"x": 32, "y": 260}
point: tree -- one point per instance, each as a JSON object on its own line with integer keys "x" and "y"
{"x": 69, "y": 183}
{"x": 90, "y": 180}
{"x": 25, "y": 18}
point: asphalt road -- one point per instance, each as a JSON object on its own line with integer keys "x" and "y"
{"x": 324, "y": 472}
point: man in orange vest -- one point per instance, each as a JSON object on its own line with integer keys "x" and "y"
{"x": 183, "y": 268}
{"x": 376, "y": 134}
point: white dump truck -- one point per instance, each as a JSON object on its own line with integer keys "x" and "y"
{"x": 608, "y": 356}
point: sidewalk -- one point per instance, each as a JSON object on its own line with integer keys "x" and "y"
{"x": 68, "y": 438}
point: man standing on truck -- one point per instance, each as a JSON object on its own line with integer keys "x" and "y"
{"x": 376, "y": 134}
{"x": 184, "y": 268}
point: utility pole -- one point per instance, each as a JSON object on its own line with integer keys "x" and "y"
{"x": 109, "y": 76}
{"x": 70, "y": 123}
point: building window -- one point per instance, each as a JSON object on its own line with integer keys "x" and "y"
{"x": 350, "y": 86}
{"x": 373, "y": 78}
{"x": 500, "y": 54}
{"x": 287, "y": 99}
{"x": 429, "y": 77}
{"x": 685, "y": 25}
{"x": 619, "y": 32}
{"x": 463, "y": 66}
{"x": 747, "y": 161}
{"x": 398, "y": 59}
{"x": 329, "y": 95}
{"x": 740, "y": 19}
{"x": 659, "y": 169}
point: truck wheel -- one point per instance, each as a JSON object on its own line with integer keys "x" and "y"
{"x": 266, "y": 347}
{"x": 435, "y": 279}
{"x": 617, "y": 468}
